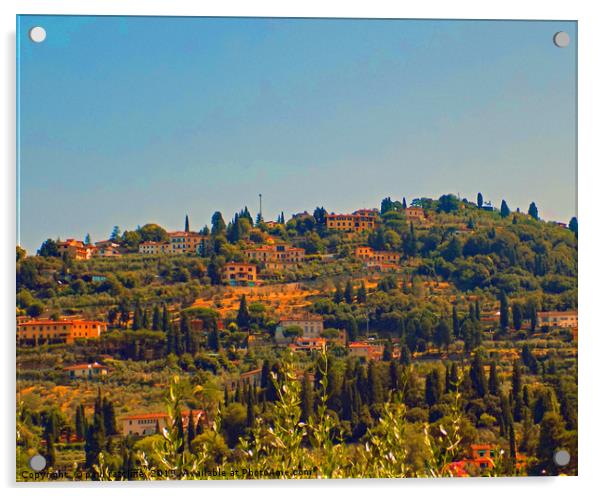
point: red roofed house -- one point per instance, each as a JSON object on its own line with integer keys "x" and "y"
{"x": 75, "y": 249}
{"x": 366, "y": 351}
{"x": 86, "y": 371}
{"x": 58, "y": 331}
{"x": 145, "y": 424}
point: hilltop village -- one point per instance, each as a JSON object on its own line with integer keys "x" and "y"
{"x": 460, "y": 312}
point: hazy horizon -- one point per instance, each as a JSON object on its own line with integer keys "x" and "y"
{"x": 179, "y": 116}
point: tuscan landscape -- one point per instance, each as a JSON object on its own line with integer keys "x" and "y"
{"x": 420, "y": 338}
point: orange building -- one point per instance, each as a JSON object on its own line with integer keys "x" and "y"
{"x": 358, "y": 221}
{"x": 367, "y": 254}
{"x": 58, "y": 331}
{"x": 415, "y": 213}
{"x": 240, "y": 274}
{"x": 75, "y": 249}
{"x": 276, "y": 256}
{"x": 145, "y": 424}
{"x": 186, "y": 242}
{"x": 366, "y": 351}
{"x": 179, "y": 242}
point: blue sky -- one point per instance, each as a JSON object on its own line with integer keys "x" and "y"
{"x": 129, "y": 120}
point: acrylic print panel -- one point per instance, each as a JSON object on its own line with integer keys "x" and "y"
{"x": 339, "y": 248}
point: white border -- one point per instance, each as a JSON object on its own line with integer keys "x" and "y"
{"x": 590, "y": 84}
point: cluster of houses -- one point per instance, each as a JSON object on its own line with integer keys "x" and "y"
{"x": 311, "y": 337}
{"x": 367, "y": 219}
{"x": 178, "y": 243}
{"x": 79, "y": 250}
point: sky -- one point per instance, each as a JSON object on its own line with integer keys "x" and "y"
{"x": 130, "y": 120}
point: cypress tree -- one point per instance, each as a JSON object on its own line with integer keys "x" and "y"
{"x": 165, "y": 319}
{"x": 145, "y": 319}
{"x": 156, "y": 323}
{"x": 243, "y": 318}
{"x": 80, "y": 422}
{"x": 250, "y": 410}
{"x": 186, "y": 334}
{"x": 190, "y": 428}
{"x": 199, "y": 427}
{"x": 433, "y": 392}
{"x": 504, "y": 210}
{"x": 349, "y": 292}
{"x": 517, "y": 316}
{"x": 480, "y": 200}
{"x": 137, "y": 321}
{"x": 338, "y": 294}
{"x": 376, "y": 391}
{"x": 533, "y": 212}
{"x": 477, "y": 376}
{"x": 110, "y": 423}
{"x": 50, "y": 451}
{"x": 494, "y": 382}
{"x": 503, "y": 311}
{"x": 361, "y": 293}
{"x": 455, "y": 322}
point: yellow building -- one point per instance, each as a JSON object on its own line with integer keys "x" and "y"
{"x": 277, "y": 254}
{"x": 146, "y": 424}
{"x": 240, "y": 274}
{"x": 58, "y": 331}
{"x": 179, "y": 242}
{"x": 367, "y": 254}
{"x": 186, "y": 242}
{"x": 358, "y": 221}
{"x": 558, "y": 319}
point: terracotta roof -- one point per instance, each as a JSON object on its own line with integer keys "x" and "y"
{"x": 83, "y": 366}
{"x": 158, "y": 415}
{"x": 61, "y": 322}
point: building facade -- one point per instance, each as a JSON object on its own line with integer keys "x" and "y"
{"x": 366, "y": 351}
{"x": 44, "y": 331}
{"x": 106, "y": 249}
{"x": 76, "y": 249}
{"x": 312, "y": 326}
{"x": 367, "y": 254}
{"x": 415, "y": 213}
{"x": 180, "y": 242}
{"x": 146, "y": 424}
{"x": 88, "y": 371}
{"x": 558, "y": 319}
{"x": 240, "y": 274}
{"x": 276, "y": 255}
{"x": 358, "y": 221}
